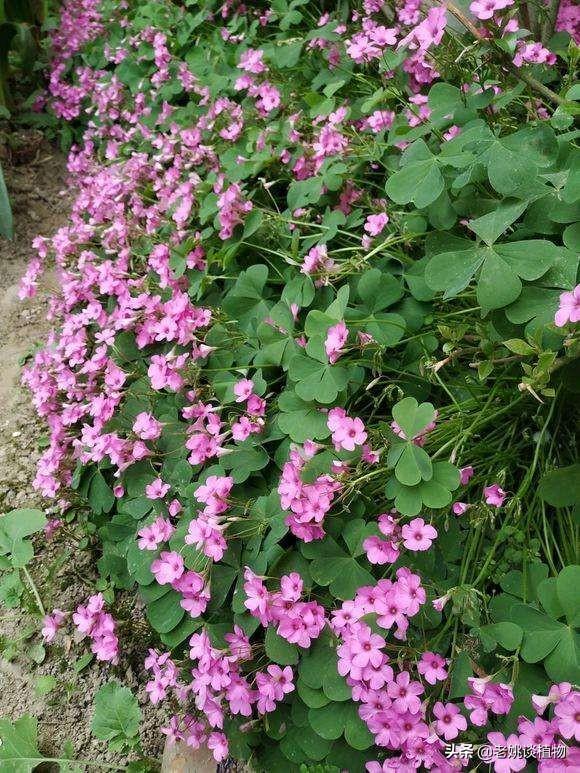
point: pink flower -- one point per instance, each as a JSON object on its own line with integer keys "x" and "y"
{"x": 404, "y": 693}
{"x": 459, "y": 508}
{"x": 258, "y": 598}
{"x": 465, "y": 475}
{"x": 252, "y": 61}
{"x": 536, "y": 732}
{"x": 335, "y": 339}
{"x": 243, "y": 389}
{"x": 157, "y": 489}
{"x": 51, "y": 623}
{"x": 380, "y": 551}
{"x": 418, "y": 535}
{"x": 485, "y": 9}
{"x": 256, "y": 406}
{"x": 218, "y": 744}
{"x": 569, "y": 309}
{"x": 374, "y": 224}
{"x": 502, "y": 762}
{"x": 153, "y": 535}
{"x": 533, "y": 53}
{"x": 452, "y": 131}
{"x": 567, "y": 716}
{"x": 439, "y": 604}
{"x": 168, "y": 567}
{"x": 146, "y": 426}
{"x": 556, "y": 693}
{"x": 494, "y": 495}
{"x": 347, "y": 433}
{"x": 450, "y": 721}
{"x": 365, "y": 648}
{"x": 429, "y": 32}
{"x": 432, "y": 667}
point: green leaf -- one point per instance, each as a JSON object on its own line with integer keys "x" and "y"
{"x": 165, "y": 612}
{"x": 19, "y": 745}
{"x": 563, "y": 662}
{"x": 518, "y": 346}
{"x": 116, "y": 713}
{"x": 342, "y": 573}
{"x": 356, "y": 733}
{"x": 301, "y": 420}
{"x": 14, "y": 527}
{"x": 548, "y": 597}
{"x": 245, "y": 460}
{"x": 413, "y": 417}
{"x": 334, "y": 685}
{"x": 329, "y": 721}
{"x": 315, "y": 660}
{"x": 508, "y": 635}
{"x": 561, "y": 488}
{"x": 461, "y": 670}
{"x": 279, "y": 650}
{"x": 419, "y": 179}
{"x": 413, "y": 466}
{"x": 101, "y": 497}
{"x": 245, "y": 302}
{"x": 301, "y": 193}
{"x": 491, "y": 226}
{"x": 6, "y": 220}
{"x": 378, "y": 290}
{"x": 568, "y": 590}
{"x": 316, "y": 381}
{"x": 500, "y": 268}
{"x": 314, "y": 699}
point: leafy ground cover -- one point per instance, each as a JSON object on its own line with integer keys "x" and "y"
{"x": 312, "y": 386}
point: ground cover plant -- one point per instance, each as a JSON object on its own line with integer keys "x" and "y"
{"x": 312, "y": 388}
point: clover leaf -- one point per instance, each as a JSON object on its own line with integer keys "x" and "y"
{"x": 434, "y": 493}
{"x": 15, "y": 526}
{"x": 499, "y": 269}
{"x": 317, "y": 381}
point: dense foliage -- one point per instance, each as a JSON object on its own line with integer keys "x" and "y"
{"x": 313, "y": 377}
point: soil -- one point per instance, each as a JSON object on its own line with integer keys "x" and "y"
{"x": 40, "y": 204}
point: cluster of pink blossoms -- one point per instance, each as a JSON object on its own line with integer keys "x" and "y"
{"x": 219, "y": 687}
{"x": 92, "y": 620}
{"x": 308, "y": 502}
{"x": 299, "y": 622}
{"x": 169, "y": 569}
{"x": 118, "y": 284}
{"x": 206, "y": 531}
{"x": 415, "y": 536}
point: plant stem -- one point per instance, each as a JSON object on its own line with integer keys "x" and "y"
{"x": 34, "y": 590}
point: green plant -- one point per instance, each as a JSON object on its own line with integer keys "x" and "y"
{"x": 16, "y": 552}
{"x": 19, "y": 751}
{"x": 116, "y": 717}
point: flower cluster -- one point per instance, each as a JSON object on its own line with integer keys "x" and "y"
{"x": 93, "y": 621}
{"x": 299, "y": 622}
{"x": 308, "y": 502}
{"x": 219, "y": 686}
